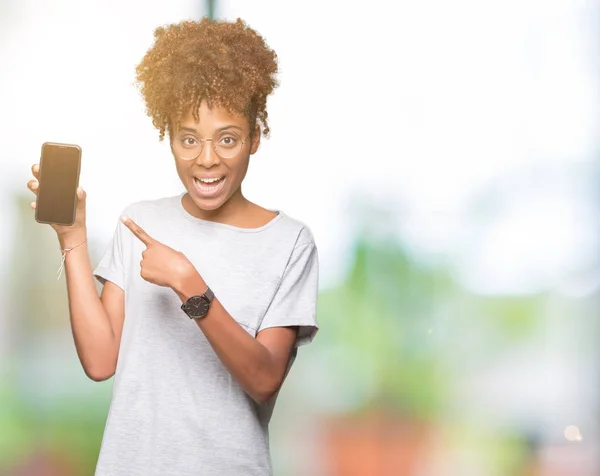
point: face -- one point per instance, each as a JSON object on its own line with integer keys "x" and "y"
{"x": 221, "y": 128}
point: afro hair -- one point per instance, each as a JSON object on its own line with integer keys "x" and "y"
{"x": 228, "y": 64}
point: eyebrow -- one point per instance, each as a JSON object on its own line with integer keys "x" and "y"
{"x": 231, "y": 126}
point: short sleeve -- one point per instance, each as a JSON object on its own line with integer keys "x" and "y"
{"x": 295, "y": 301}
{"x": 110, "y": 267}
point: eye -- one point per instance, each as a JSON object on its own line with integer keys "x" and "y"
{"x": 228, "y": 141}
{"x": 189, "y": 141}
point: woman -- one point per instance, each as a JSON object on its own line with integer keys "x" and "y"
{"x": 206, "y": 295}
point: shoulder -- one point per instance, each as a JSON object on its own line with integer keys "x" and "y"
{"x": 299, "y": 230}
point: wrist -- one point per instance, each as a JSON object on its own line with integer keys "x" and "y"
{"x": 71, "y": 239}
{"x": 190, "y": 284}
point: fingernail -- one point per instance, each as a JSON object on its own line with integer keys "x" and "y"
{"x": 123, "y": 218}
{"x": 34, "y": 185}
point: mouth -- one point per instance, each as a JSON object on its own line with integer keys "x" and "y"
{"x": 208, "y": 187}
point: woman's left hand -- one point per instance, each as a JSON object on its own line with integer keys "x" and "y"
{"x": 161, "y": 265}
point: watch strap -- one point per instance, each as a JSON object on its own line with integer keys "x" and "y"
{"x": 209, "y": 295}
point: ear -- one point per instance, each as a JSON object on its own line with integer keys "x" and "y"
{"x": 255, "y": 139}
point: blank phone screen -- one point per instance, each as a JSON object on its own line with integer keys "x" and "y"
{"x": 59, "y": 177}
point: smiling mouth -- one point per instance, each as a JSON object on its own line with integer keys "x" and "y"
{"x": 208, "y": 187}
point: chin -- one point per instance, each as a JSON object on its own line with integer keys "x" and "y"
{"x": 204, "y": 204}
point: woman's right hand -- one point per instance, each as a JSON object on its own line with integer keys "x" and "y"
{"x": 78, "y": 228}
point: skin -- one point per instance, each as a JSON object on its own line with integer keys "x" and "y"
{"x": 258, "y": 364}
{"x": 230, "y": 206}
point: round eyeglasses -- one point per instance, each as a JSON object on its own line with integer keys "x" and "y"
{"x": 226, "y": 144}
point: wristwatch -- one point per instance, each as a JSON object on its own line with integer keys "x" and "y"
{"x": 196, "y": 307}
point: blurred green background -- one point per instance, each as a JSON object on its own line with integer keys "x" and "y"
{"x": 446, "y": 159}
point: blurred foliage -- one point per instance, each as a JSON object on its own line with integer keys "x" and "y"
{"x": 15, "y": 436}
{"x": 383, "y": 313}
{"x": 69, "y": 427}
{"x": 394, "y": 318}
{"x": 517, "y": 316}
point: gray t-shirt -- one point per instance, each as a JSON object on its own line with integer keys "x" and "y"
{"x": 176, "y": 410}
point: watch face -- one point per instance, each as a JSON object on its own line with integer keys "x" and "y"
{"x": 196, "y": 307}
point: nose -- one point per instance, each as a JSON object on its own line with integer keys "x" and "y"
{"x": 208, "y": 157}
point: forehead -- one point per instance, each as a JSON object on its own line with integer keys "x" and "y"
{"x": 212, "y": 118}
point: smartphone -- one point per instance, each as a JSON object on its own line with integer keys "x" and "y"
{"x": 58, "y": 182}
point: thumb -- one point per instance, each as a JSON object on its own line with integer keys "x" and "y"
{"x": 81, "y": 194}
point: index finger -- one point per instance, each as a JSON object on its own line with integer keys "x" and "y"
{"x": 137, "y": 230}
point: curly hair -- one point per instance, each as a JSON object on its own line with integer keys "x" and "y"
{"x": 227, "y": 64}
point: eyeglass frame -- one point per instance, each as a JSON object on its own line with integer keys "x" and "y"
{"x": 243, "y": 141}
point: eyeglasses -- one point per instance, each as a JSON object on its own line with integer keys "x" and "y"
{"x": 226, "y": 144}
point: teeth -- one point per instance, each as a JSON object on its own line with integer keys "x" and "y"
{"x": 213, "y": 180}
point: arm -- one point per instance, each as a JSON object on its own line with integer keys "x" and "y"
{"x": 96, "y": 322}
{"x": 259, "y": 365}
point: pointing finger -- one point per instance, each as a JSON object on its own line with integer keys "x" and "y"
{"x": 137, "y": 231}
